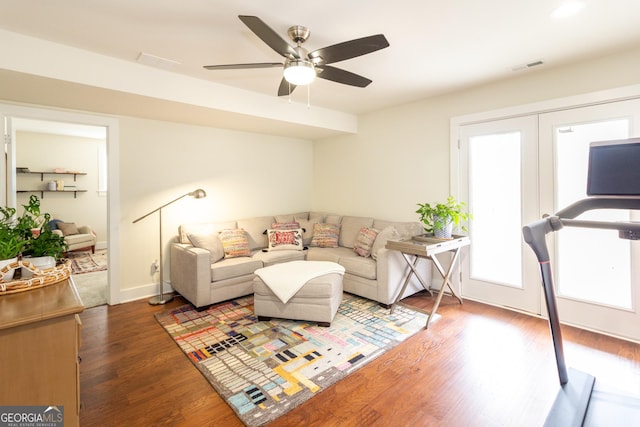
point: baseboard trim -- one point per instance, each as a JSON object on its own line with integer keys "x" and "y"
{"x": 141, "y": 292}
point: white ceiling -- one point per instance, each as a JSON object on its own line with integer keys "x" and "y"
{"x": 435, "y": 46}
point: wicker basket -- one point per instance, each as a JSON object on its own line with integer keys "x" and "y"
{"x": 40, "y": 278}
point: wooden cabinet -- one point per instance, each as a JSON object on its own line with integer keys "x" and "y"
{"x": 39, "y": 342}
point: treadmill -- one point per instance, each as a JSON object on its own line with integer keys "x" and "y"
{"x": 613, "y": 182}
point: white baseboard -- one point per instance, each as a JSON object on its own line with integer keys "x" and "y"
{"x": 141, "y": 292}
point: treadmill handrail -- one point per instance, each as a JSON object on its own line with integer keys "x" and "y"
{"x": 600, "y": 202}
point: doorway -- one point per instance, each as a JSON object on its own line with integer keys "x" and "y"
{"x": 16, "y": 115}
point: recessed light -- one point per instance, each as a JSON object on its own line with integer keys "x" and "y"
{"x": 567, "y": 9}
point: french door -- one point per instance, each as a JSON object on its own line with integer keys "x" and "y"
{"x": 597, "y": 274}
{"x": 499, "y": 166}
{"x": 512, "y": 172}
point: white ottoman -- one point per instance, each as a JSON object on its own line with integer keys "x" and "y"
{"x": 317, "y": 300}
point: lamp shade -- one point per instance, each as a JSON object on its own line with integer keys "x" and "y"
{"x": 299, "y": 72}
{"x": 198, "y": 194}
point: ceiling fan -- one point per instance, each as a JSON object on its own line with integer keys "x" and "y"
{"x": 301, "y": 67}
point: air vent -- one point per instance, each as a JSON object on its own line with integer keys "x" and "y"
{"x": 528, "y": 65}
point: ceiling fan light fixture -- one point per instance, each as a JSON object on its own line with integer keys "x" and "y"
{"x": 299, "y": 72}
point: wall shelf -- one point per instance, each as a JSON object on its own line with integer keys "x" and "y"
{"x": 70, "y": 189}
{"x": 75, "y": 192}
{"x": 42, "y": 174}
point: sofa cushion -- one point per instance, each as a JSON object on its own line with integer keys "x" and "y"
{"x": 325, "y": 235}
{"x": 210, "y": 242}
{"x": 285, "y": 239}
{"x": 292, "y": 225}
{"x": 364, "y": 241}
{"x": 357, "y": 265}
{"x": 235, "y": 243}
{"x": 234, "y": 267}
{"x": 332, "y": 218}
{"x": 405, "y": 229}
{"x": 307, "y": 225}
{"x": 388, "y": 233}
{"x": 323, "y": 254}
{"x": 349, "y": 229}
{"x": 276, "y": 257}
{"x": 205, "y": 228}
{"x": 292, "y": 217}
{"x": 76, "y": 239}
{"x": 68, "y": 228}
{"x": 255, "y": 228}
{"x": 352, "y": 262}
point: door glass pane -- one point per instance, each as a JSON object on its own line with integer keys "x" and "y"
{"x": 592, "y": 265}
{"x": 494, "y": 195}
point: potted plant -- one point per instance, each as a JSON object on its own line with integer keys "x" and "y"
{"x": 35, "y": 229}
{"x": 11, "y": 241}
{"x": 440, "y": 218}
{"x": 29, "y": 235}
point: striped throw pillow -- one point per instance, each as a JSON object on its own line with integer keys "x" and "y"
{"x": 325, "y": 235}
{"x": 235, "y": 243}
{"x": 364, "y": 241}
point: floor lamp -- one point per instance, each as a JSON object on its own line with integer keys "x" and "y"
{"x": 162, "y": 298}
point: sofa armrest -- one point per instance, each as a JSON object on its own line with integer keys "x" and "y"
{"x": 58, "y": 233}
{"x": 85, "y": 229}
{"x": 191, "y": 273}
{"x": 392, "y": 272}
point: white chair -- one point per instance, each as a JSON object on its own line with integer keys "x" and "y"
{"x": 82, "y": 237}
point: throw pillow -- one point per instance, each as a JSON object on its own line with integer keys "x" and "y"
{"x": 364, "y": 241}
{"x": 53, "y": 224}
{"x": 280, "y": 240}
{"x": 68, "y": 228}
{"x": 388, "y": 233}
{"x": 235, "y": 243}
{"x": 325, "y": 235}
{"x": 210, "y": 242}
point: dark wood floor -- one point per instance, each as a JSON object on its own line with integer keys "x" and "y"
{"x": 476, "y": 366}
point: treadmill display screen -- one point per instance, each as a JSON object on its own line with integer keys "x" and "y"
{"x": 614, "y": 168}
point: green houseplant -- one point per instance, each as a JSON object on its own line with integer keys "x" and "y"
{"x": 44, "y": 242}
{"x": 11, "y": 241}
{"x": 17, "y": 233}
{"x": 440, "y": 218}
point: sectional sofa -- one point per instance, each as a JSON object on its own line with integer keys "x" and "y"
{"x": 215, "y": 262}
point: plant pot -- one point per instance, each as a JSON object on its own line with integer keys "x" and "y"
{"x": 42, "y": 262}
{"x": 3, "y": 262}
{"x": 442, "y": 232}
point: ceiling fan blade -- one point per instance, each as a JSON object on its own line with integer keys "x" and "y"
{"x": 243, "y": 66}
{"x": 285, "y": 88}
{"x": 338, "y": 75}
{"x": 267, "y": 35}
{"x": 347, "y": 50}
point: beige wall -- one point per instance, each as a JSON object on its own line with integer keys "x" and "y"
{"x": 400, "y": 156}
{"x": 244, "y": 174}
{"x": 45, "y": 152}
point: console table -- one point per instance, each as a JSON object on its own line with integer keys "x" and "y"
{"x": 39, "y": 338}
{"x": 428, "y": 247}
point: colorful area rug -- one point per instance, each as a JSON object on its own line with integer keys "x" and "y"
{"x": 86, "y": 262}
{"x": 265, "y": 369}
